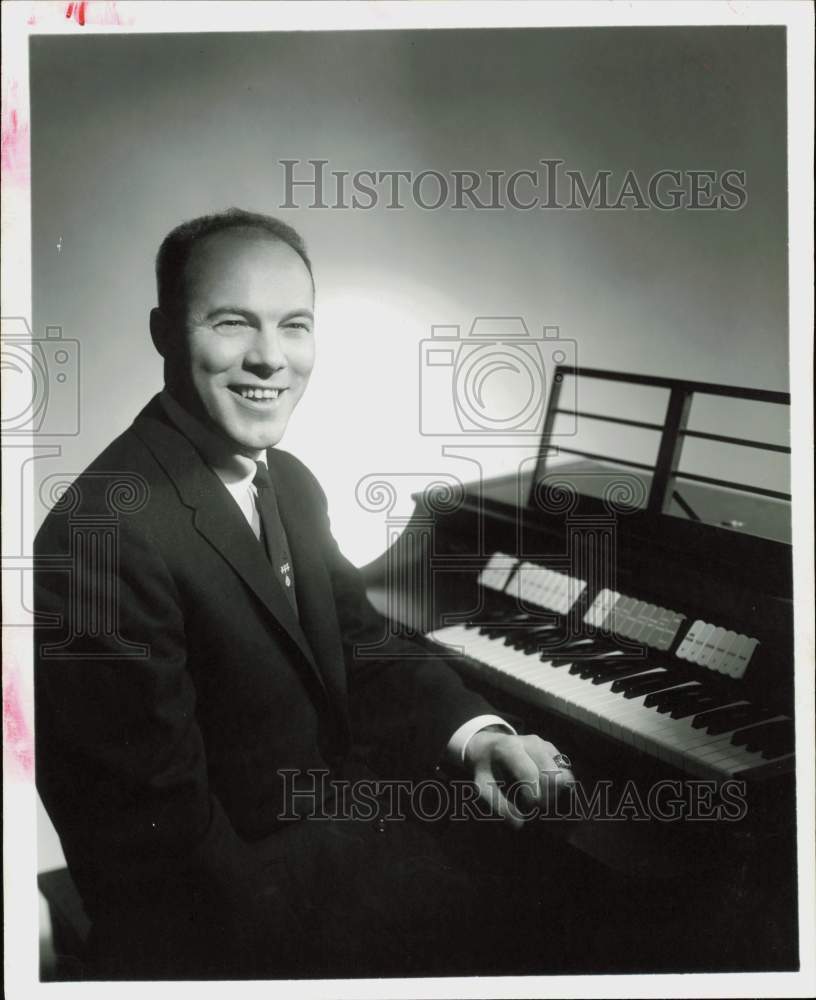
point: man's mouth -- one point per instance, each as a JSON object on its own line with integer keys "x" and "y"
{"x": 258, "y": 394}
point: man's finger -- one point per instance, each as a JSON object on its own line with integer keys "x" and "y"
{"x": 552, "y": 776}
{"x": 544, "y": 754}
{"x": 522, "y": 769}
{"x": 490, "y": 790}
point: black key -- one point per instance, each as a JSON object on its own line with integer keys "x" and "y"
{"x": 665, "y": 688}
{"x": 773, "y": 745}
{"x": 705, "y": 719}
{"x": 568, "y": 654}
{"x": 587, "y": 668}
{"x": 663, "y": 701}
{"x": 584, "y": 666}
{"x": 668, "y": 701}
{"x": 533, "y": 627}
{"x": 534, "y": 642}
{"x": 584, "y": 650}
{"x": 778, "y": 749}
{"x": 599, "y": 676}
{"x": 752, "y": 714}
{"x": 499, "y": 630}
{"x": 654, "y": 675}
{"x": 524, "y": 636}
{"x": 767, "y": 731}
{"x": 619, "y": 675}
{"x": 696, "y": 703}
{"x": 709, "y": 694}
{"x": 503, "y": 627}
{"x": 548, "y": 653}
{"x": 634, "y": 687}
{"x": 607, "y": 676}
{"x": 590, "y": 661}
{"x": 558, "y": 661}
{"x": 721, "y": 720}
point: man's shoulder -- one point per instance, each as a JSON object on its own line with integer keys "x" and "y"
{"x": 286, "y": 467}
{"x": 124, "y": 480}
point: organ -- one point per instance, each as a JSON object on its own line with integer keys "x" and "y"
{"x": 638, "y": 615}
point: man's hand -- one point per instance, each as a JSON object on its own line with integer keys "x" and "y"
{"x": 515, "y": 775}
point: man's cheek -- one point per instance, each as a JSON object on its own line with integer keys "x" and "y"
{"x": 302, "y": 359}
{"x": 211, "y": 355}
{"x": 220, "y": 358}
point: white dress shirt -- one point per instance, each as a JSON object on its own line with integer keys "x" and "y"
{"x": 236, "y": 472}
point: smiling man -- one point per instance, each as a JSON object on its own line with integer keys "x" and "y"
{"x": 188, "y": 668}
{"x": 235, "y": 327}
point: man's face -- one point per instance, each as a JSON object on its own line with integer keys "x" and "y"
{"x": 249, "y": 336}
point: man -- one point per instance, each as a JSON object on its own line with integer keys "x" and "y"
{"x": 183, "y": 682}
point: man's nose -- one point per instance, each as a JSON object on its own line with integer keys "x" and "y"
{"x": 266, "y": 350}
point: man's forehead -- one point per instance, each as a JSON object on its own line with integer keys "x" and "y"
{"x": 230, "y": 245}
{"x": 234, "y": 254}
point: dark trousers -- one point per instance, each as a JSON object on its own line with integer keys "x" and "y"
{"x": 376, "y": 898}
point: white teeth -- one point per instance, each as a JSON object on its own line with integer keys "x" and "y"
{"x": 262, "y": 394}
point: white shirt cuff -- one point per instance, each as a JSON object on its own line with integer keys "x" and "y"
{"x": 458, "y": 743}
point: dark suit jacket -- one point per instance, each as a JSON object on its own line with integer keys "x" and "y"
{"x": 174, "y": 682}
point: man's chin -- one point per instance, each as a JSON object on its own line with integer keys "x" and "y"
{"x": 252, "y": 443}
{"x": 249, "y": 437}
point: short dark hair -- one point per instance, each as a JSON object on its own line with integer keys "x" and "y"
{"x": 176, "y": 247}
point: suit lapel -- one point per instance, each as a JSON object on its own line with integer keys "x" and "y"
{"x": 218, "y": 519}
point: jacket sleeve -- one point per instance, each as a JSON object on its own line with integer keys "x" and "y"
{"x": 406, "y": 701}
{"x": 121, "y": 765}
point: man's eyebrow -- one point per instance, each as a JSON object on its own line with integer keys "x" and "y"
{"x": 297, "y": 312}
{"x": 248, "y": 314}
{"x": 232, "y": 310}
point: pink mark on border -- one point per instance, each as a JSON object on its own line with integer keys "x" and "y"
{"x": 87, "y": 12}
{"x": 14, "y": 139}
{"x": 79, "y": 12}
{"x": 18, "y": 744}
{"x": 76, "y": 11}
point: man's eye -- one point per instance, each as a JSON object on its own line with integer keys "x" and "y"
{"x": 231, "y": 324}
{"x": 298, "y": 326}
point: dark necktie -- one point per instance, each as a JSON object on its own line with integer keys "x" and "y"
{"x": 273, "y": 534}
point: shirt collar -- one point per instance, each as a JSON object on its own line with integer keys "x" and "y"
{"x": 232, "y": 468}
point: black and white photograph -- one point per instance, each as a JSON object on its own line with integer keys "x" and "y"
{"x": 407, "y": 499}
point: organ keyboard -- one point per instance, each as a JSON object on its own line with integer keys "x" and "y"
{"x": 638, "y": 693}
{"x": 670, "y": 638}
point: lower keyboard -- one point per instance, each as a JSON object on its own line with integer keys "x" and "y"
{"x": 684, "y": 743}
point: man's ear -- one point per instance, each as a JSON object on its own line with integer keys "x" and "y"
{"x": 161, "y": 333}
